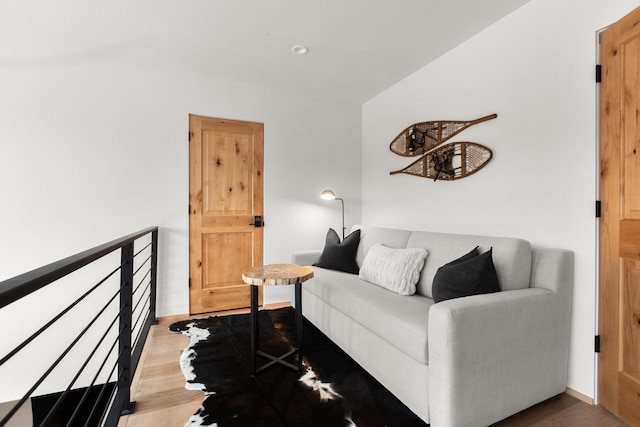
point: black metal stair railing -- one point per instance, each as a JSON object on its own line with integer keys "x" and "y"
{"x": 111, "y": 359}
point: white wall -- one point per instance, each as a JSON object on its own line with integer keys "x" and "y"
{"x": 97, "y": 148}
{"x": 93, "y": 146}
{"x": 535, "y": 69}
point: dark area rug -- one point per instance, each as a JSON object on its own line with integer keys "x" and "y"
{"x": 333, "y": 390}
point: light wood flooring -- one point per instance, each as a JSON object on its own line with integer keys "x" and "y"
{"x": 158, "y": 386}
{"x": 162, "y": 400}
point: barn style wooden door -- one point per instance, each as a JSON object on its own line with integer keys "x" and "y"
{"x": 225, "y": 211}
{"x": 619, "y": 360}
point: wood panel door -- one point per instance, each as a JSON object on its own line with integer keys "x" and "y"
{"x": 619, "y": 359}
{"x": 225, "y": 197}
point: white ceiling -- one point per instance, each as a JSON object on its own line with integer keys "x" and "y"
{"x": 358, "y": 48}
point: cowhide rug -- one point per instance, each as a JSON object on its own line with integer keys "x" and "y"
{"x": 333, "y": 390}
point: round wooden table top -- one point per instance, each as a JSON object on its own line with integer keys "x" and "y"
{"x": 277, "y": 274}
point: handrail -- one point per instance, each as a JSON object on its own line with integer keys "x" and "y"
{"x": 129, "y": 335}
{"x": 20, "y": 286}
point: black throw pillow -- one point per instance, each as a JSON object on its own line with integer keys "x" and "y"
{"x": 338, "y": 255}
{"x": 466, "y": 257}
{"x": 465, "y": 276}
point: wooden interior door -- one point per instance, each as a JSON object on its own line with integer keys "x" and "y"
{"x": 225, "y": 197}
{"x": 619, "y": 360}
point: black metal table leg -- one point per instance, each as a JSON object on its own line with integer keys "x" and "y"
{"x": 254, "y": 328}
{"x": 276, "y": 274}
{"x": 255, "y": 338}
{"x": 299, "y": 324}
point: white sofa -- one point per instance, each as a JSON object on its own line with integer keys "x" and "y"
{"x": 469, "y": 361}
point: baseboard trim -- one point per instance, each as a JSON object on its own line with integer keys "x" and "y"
{"x": 579, "y": 396}
{"x": 177, "y": 317}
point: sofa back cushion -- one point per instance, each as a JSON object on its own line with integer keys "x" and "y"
{"x": 511, "y": 256}
{"x": 389, "y": 237}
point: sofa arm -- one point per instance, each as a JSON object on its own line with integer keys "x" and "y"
{"x": 307, "y": 257}
{"x": 493, "y": 355}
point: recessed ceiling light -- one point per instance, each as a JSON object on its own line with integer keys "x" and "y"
{"x": 299, "y": 49}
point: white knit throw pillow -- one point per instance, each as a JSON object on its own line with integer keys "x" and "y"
{"x": 397, "y": 270}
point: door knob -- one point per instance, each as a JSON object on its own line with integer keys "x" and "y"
{"x": 257, "y": 221}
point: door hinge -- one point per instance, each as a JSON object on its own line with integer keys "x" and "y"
{"x": 598, "y": 209}
{"x": 597, "y": 344}
{"x": 598, "y": 73}
{"x": 189, "y": 209}
{"x": 189, "y": 281}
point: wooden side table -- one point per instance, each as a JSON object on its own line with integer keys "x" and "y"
{"x": 275, "y": 275}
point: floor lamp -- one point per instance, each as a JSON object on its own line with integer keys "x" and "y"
{"x": 330, "y": 195}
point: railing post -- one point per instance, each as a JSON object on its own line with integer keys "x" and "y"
{"x": 124, "y": 347}
{"x": 154, "y": 272}
{"x": 128, "y": 356}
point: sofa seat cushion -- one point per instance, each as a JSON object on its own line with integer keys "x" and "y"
{"x": 401, "y": 320}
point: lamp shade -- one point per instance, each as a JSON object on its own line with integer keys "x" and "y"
{"x": 328, "y": 195}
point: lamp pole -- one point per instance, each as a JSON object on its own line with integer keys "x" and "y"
{"x": 330, "y": 195}
{"x": 343, "y": 227}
